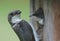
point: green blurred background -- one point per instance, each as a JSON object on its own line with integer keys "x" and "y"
{"x": 6, "y": 6}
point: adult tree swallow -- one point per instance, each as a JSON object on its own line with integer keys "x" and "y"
{"x": 20, "y": 27}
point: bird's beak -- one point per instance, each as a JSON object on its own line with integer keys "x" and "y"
{"x": 31, "y": 15}
{"x": 18, "y": 12}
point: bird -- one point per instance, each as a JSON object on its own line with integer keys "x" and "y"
{"x": 38, "y": 20}
{"x": 21, "y": 27}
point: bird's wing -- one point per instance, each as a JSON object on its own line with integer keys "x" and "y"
{"x": 24, "y": 31}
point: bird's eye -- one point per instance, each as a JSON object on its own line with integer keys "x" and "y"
{"x": 11, "y": 14}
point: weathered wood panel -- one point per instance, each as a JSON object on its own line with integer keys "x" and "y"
{"x": 48, "y": 28}
{"x": 56, "y": 10}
